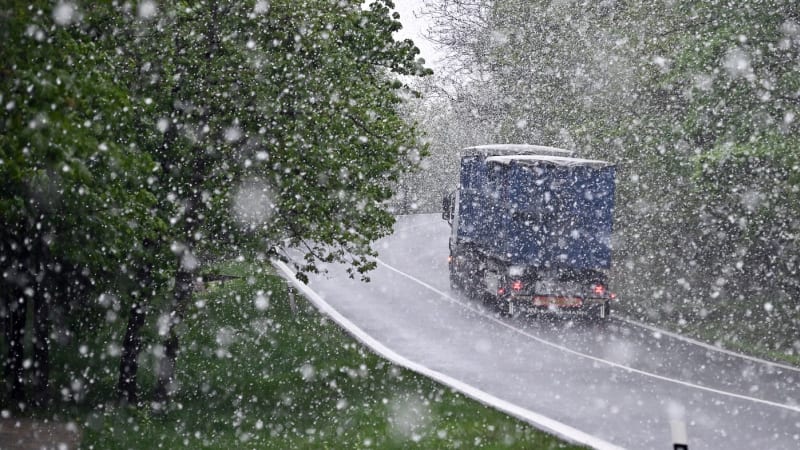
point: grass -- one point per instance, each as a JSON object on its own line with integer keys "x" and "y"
{"x": 739, "y": 340}
{"x": 256, "y": 374}
{"x": 733, "y": 331}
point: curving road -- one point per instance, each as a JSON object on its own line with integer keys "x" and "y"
{"x": 623, "y": 383}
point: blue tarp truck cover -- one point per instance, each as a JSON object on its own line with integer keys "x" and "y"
{"x": 537, "y": 210}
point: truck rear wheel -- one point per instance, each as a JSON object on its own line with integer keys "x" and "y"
{"x": 456, "y": 269}
{"x": 601, "y": 313}
{"x": 454, "y": 281}
{"x": 488, "y": 300}
{"x": 504, "y": 306}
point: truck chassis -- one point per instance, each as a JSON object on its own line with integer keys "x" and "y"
{"x": 512, "y": 291}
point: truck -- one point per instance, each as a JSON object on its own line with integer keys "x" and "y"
{"x": 531, "y": 230}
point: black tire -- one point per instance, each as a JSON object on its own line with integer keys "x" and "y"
{"x": 454, "y": 284}
{"x": 601, "y": 313}
{"x": 503, "y": 306}
{"x": 488, "y": 300}
{"x": 456, "y": 281}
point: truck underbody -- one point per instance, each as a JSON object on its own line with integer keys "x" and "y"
{"x": 522, "y": 290}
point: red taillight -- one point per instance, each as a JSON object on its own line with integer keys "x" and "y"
{"x": 613, "y": 296}
{"x": 501, "y": 291}
{"x": 599, "y": 289}
{"x": 449, "y": 259}
{"x": 516, "y": 285}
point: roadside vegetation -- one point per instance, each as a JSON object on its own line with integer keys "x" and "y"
{"x": 257, "y": 372}
{"x": 736, "y": 335}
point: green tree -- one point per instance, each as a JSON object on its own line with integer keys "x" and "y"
{"x": 278, "y": 128}
{"x": 73, "y": 200}
{"x": 140, "y": 142}
{"x": 740, "y": 90}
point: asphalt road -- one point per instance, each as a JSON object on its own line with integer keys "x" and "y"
{"x": 622, "y": 383}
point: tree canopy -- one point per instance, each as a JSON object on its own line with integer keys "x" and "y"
{"x": 138, "y": 141}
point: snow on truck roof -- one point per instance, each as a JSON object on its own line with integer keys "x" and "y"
{"x": 515, "y": 149}
{"x": 530, "y": 154}
{"x": 548, "y": 159}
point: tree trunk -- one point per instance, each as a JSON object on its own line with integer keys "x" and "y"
{"x": 15, "y": 341}
{"x": 184, "y": 283}
{"x": 127, "y": 389}
{"x": 41, "y": 347}
{"x": 182, "y": 294}
{"x": 45, "y": 288}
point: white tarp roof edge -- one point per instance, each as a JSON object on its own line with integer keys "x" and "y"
{"x": 548, "y": 159}
{"x": 506, "y": 149}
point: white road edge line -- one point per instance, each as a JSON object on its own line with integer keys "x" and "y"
{"x": 706, "y": 345}
{"x": 544, "y": 423}
{"x": 590, "y": 357}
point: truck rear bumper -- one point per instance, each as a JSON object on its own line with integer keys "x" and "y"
{"x": 556, "y": 305}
